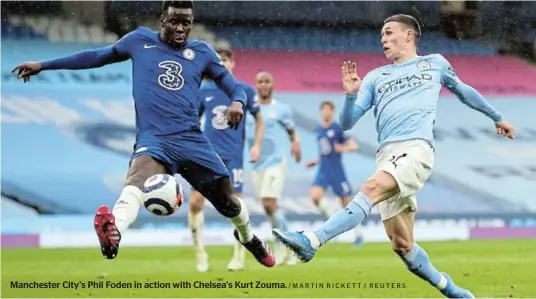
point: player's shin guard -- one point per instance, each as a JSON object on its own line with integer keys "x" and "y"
{"x": 241, "y": 223}
{"x": 127, "y": 207}
{"x": 196, "y": 222}
{"x": 344, "y": 220}
{"x": 419, "y": 264}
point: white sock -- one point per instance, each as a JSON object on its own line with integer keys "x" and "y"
{"x": 315, "y": 242}
{"x": 239, "y": 251}
{"x": 241, "y": 223}
{"x": 324, "y": 208}
{"x": 127, "y": 207}
{"x": 196, "y": 222}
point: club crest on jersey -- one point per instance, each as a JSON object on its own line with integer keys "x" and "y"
{"x": 423, "y": 65}
{"x": 330, "y": 133}
{"x": 188, "y": 54}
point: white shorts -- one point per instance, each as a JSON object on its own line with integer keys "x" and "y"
{"x": 410, "y": 163}
{"x": 269, "y": 182}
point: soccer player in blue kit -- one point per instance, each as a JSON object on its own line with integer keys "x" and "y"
{"x": 404, "y": 95}
{"x": 167, "y": 72}
{"x": 229, "y": 145}
{"x": 332, "y": 142}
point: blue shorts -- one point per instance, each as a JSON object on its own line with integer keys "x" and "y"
{"x": 338, "y": 183}
{"x": 189, "y": 154}
{"x": 235, "y": 166}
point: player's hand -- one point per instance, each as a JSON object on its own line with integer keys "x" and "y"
{"x": 295, "y": 150}
{"x": 351, "y": 82}
{"x": 254, "y": 153}
{"x": 27, "y": 69}
{"x": 339, "y": 148}
{"x": 504, "y": 128}
{"x": 310, "y": 164}
{"x": 235, "y": 112}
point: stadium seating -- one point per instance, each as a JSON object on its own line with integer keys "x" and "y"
{"x": 314, "y": 39}
{"x": 44, "y": 37}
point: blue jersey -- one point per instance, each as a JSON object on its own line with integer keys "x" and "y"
{"x": 278, "y": 121}
{"x": 405, "y": 98}
{"x": 166, "y": 81}
{"x": 330, "y": 160}
{"x": 228, "y": 143}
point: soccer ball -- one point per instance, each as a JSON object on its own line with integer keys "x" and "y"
{"x": 162, "y": 194}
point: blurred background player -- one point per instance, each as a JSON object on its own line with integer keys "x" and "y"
{"x": 332, "y": 142}
{"x": 229, "y": 145}
{"x": 269, "y": 171}
{"x": 405, "y": 95}
{"x": 167, "y": 69}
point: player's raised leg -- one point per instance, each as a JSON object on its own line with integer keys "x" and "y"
{"x": 205, "y": 171}
{"x": 196, "y": 221}
{"x": 399, "y": 228}
{"x": 414, "y": 161}
{"x": 110, "y": 224}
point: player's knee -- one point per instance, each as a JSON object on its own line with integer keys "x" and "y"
{"x": 401, "y": 245}
{"x": 142, "y": 168}
{"x": 220, "y": 194}
{"x": 379, "y": 187}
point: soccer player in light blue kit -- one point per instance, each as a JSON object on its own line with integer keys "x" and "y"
{"x": 332, "y": 142}
{"x": 404, "y": 95}
{"x": 270, "y": 169}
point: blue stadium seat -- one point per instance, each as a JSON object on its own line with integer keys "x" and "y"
{"x": 318, "y": 39}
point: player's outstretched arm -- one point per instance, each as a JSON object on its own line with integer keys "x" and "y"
{"x": 473, "y": 99}
{"x": 88, "y": 59}
{"x": 358, "y": 95}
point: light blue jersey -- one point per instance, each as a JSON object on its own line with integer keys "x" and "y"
{"x": 405, "y": 98}
{"x": 278, "y": 121}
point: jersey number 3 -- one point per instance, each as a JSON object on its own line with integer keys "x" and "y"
{"x": 219, "y": 120}
{"x": 172, "y": 78}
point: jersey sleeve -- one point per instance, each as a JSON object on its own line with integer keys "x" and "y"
{"x": 116, "y": 52}
{"x": 287, "y": 118}
{"x": 449, "y": 79}
{"x": 214, "y": 68}
{"x": 251, "y": 105}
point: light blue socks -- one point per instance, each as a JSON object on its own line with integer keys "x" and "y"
{"x": 345, "y": 219}
{"x": 419, "y": 263}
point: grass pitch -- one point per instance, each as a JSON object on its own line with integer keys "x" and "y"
{"x": 489, "y": 268}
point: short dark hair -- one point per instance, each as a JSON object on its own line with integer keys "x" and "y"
{"x": 327, "y": 103}
{"x": 224, "y": 51}
{"x": 176, "y": 4}
{"x": 407, "y": 20}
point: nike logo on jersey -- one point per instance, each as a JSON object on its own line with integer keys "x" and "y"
{"x": 149, "y": 46}
{"x": 208, "y": 99}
